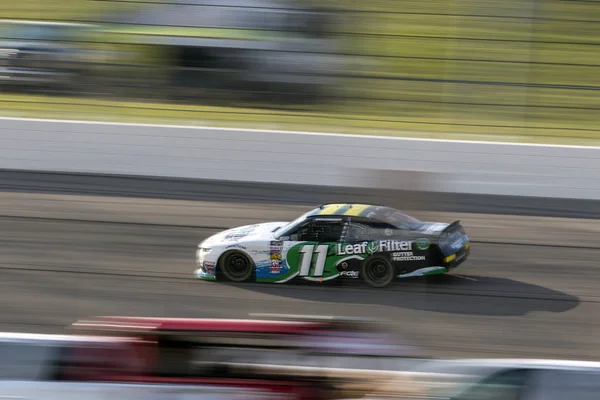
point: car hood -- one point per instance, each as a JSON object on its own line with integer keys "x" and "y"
{"x": 242, "y": 234}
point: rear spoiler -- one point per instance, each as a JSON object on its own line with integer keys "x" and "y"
{"x": 450, "y": 227}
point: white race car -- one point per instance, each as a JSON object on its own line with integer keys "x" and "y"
{"x": 354, "y": 241}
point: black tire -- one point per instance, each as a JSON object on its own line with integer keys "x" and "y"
{"x": 236, "y": 266}
{"x": 377, "y": 272}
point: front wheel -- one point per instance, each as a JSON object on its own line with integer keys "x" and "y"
{"x": 236, "y": 266}
{"x": 377, "y": 272}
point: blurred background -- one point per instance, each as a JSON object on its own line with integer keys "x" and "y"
{"x": 508, "y": 68}
{"x": 520, "y": 70}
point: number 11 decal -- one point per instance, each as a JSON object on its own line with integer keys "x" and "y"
{"x": 306, "y": 256}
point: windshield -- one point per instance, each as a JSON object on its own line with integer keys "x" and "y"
{"x": 287, "y": 229}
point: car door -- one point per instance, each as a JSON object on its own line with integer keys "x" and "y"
{"x": 310, "y": 251}
{"x": 361, "y": 239}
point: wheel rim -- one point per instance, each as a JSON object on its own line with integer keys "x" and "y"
{"x": 378, "y": 271}
{"x": 237, "y": 265}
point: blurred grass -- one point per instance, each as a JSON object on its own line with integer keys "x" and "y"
{"x": 457, "y": 75}
{"x": 478, "y": 126}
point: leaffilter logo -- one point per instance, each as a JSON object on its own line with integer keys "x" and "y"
{"x": 422, "y": 244}
{"x": 372, "y": 248}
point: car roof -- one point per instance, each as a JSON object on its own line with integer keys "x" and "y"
{"x": 346, "y": 209}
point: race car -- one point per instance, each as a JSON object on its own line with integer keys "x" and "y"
{"x": 373, "y": 243}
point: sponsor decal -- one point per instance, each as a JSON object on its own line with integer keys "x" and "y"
{"x": 344, "y": 265}
{"x": 276, "y": 246}
{"x": 240, "y": 233}
{"x": 370, "y": 248}
{"x": 209, "y": 266}
{"x": 235, "y": 246}
{"x": 422, "y": 244}
{"x": 275, "y": 256}
{"x": 327, "y": 219}
{"x": 275, "y": 266}
{"x": 406, "y": 256}
{"x": 457, "y": 244}
{"x": 389, "y": 232}
{"x": 352, "y": 274}
{"x": 236, "y": 235}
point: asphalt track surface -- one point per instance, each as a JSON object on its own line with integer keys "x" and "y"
{"x": 530, "y": 288}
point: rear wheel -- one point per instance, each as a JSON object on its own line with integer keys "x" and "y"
{"x": 236, "y": 266}
{"x": 377, "y": 272}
